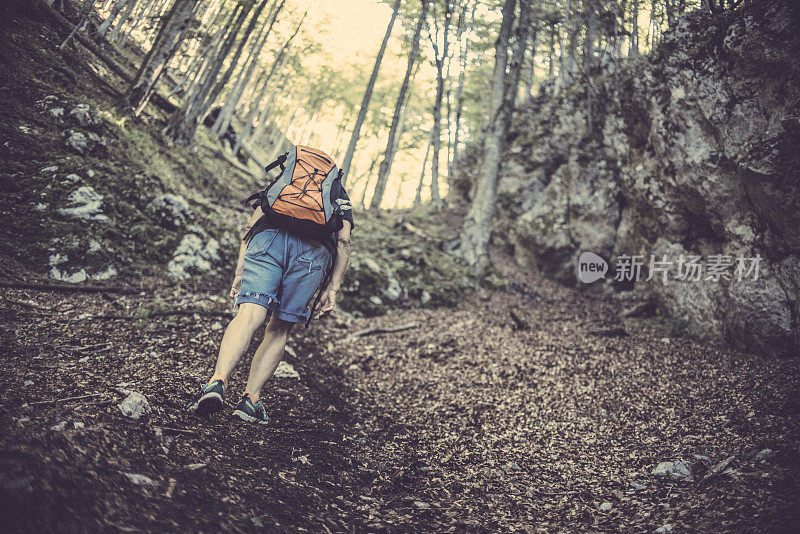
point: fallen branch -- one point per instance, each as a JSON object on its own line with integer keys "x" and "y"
{"x": 178, "y": 431}
{"x": 414, "y": 230}
{"x": 110, "y": 62}
{"x": 383, "y": 329}
{"x": 162, "y": 313}
{"x": 100, "y": 347}
{"x": 69, "y": 287}
{"x": 79, "y": 397}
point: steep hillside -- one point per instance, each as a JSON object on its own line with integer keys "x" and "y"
{"x": 92, "y": 196}
{"x": 689, "y": 151}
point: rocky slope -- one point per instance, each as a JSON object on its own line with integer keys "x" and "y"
{"x": 689, "y": 151}
{"x": 94, "y": 197}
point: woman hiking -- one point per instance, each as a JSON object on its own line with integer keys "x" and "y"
{"x": 297, "y": 242}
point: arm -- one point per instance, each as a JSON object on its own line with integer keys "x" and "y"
{"x": 328, "y": 298}
{"x": 237, "y": 275}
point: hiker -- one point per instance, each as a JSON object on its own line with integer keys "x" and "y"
{"x": 297, "y": 244}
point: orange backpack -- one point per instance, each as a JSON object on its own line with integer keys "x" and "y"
{"x": 302, "y": 199}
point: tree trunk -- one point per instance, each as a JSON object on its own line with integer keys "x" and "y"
{"x": 123, "y": 18}
{"x": 532, "y": 72}
{"x": 477, "y": 226}
{"x": 254, "y": 110}
{"x": 459, "y": 102}
{"x": 418, "y": 195}
{"x": 86, "y": 13}
{"x": 437, "y": 102}
{"x": 634, "y": 50}
{"x": 182, "y": 125}
{"x": 234, "y": 62}
{"x": 226, "y": 114}
{"x": 383, "y": 172}
{"x": 362, "y": 112}
{"x": 169, "y": 37}
{"x": 106, "y": 24}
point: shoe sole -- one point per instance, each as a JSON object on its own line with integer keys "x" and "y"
{"x": 249, "y": 418}
{"x": 208, "y": 403}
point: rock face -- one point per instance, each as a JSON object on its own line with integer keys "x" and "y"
{"x": 690, "y": 151}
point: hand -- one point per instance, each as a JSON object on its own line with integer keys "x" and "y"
{"x": 326, "y": 302}
{"x": 237, "y": 286}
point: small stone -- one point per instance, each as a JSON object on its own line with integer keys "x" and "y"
{"x": 606, "y": 506}
{"x": 78, "y": 424}
{"x": 84, "y": 115}
{"x": 46, "y": 170}
{"x": 84, "y": 359}
{"x": 513, "y": 466}
{"x": 216, "y": 326}
{"x": 57, "y": 112}
{"x": 765, "y": 454}
{"x": 680, "y": 470}
{"x": 285, "y": 370}
{"x": 59, "y": 427}
{"x": 77, "y": 141}
{"x": 663, "y": 530}
{"x": 27, "y": 383}
{"x": 194, "y": 467}
{"x": 140, "y": 480}
{"x": 703, "y": 459}
{"x": 376, "y": 300}
{"x": 135, "y": 405}
{"x": 71, "y": 178}
{"x": 421, "y": 505}
{"x": 637, "y": 486}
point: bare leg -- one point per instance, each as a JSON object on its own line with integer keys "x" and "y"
{"x": 237, "y": 338}
{"x": 268, "y": 355}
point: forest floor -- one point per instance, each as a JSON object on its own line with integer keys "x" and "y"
{"x": 509, "y": 412}
{"x": 467, "y": 419}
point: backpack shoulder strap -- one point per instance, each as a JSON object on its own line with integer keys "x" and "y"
{"x": 280, "y": 161}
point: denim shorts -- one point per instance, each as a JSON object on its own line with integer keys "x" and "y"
{"x": 282, "y": 272}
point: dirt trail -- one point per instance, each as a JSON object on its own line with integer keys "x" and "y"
{"x": 470, "y": 420}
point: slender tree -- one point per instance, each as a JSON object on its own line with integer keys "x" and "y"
{"x": 115, "y": 11}
{"x": 418, "y": 195}
{"x": 362, "y": 112}
{"x": 477, "y": 227}
{"x": 170, "y": 34}
{"x": 383, "y": 171}
{"x": 439, "y": 59}
{"x": 462, "y": 74}
{"x": 226, "y": 114}
{"x": 249, "y": 123}
{"x": 182, "y": 125}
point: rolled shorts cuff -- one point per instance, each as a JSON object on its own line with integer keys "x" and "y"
{"x": 262, "y": 299}
{"x": 290, "y": 317}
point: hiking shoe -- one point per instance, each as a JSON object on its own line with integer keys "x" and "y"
{"x": 255, "y": 413}
{"x": 209, "y": 399}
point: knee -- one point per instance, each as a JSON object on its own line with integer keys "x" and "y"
{"x": 250, "y": 317}
{"x": 279, "y": 326}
